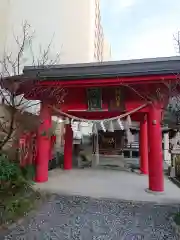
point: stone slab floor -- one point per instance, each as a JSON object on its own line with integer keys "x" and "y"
{"x": 84, "y": 218}
{"x": 100, "y": 204}
{"x": 107, "y": 184}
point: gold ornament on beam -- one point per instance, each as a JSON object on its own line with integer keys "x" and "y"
{"x": 117, "y": 97}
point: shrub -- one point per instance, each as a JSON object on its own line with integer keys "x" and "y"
{"x": 17, "y": 206}
{"x": 17, "y": 197}
{"x": 12, "y": 176}
{"x": 9, "y": 172}
{"x": 177, "y": 218}
{"x": 28, "y": 172}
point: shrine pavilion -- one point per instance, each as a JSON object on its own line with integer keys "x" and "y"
{"x": 98, "y": 93}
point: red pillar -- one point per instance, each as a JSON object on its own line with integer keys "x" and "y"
{"x": 68, "y": 147}
{"x": 143, "y": 146}
{"x": 156, "y": 176}
{"x": 43, "y": 145}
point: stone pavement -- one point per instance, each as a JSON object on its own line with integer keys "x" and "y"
{"x": 84, "y": 218}
{"x": 107, "y": 184}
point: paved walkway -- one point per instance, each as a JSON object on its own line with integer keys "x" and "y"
{"x": 107, "y": 184}
{"x": 83, "y": 218}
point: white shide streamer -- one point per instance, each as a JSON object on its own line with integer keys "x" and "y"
{"x": 129, "y": 136}
{"x": 120, "y": 124}
{"x": 94, "y": 129}
{"x": 129, "y": 122}
{"x": 111, "y": 127}
{"x": 102, "y": 126}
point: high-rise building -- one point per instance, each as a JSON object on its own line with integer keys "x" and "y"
{"x": 73, "y": 26}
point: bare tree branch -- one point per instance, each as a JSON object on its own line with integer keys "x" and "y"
{"x": 176, "y": 38}
{"x": 12, "y": 66}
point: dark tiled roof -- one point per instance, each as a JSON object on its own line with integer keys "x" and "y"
{"x": 137, "y": 67}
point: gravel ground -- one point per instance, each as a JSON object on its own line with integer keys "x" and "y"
{"x": 84, "y": 218}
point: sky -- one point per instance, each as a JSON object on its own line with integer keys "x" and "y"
{"x": 141, "y": 28}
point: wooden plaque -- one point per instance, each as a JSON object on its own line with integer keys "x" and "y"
{"x": 94, "y": 98}
{"x": 116, "y": 99}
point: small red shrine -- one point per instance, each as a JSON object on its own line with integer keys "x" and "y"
{"x": 98, "y": 91}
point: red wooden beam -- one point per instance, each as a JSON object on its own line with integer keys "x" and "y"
{"x": 109, "y": 81}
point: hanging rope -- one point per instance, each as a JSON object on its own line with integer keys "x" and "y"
{"x": 104, "y": 120}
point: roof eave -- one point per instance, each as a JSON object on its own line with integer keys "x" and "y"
{"x": 129, "y": 68}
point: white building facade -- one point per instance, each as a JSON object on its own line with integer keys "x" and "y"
{"x": 73, "y": 27}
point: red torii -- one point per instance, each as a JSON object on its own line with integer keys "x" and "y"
{"x": 65, "y": 87}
